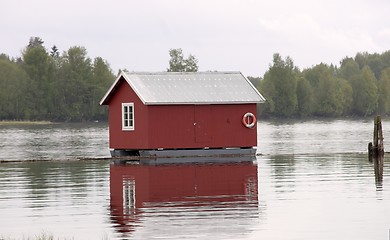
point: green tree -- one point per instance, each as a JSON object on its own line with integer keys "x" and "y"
{"x": 75, "y": 77}
{"x": 377, "y": 62}
{"x": 35, "y": 42}
{"x": 365, "y": 92}
{"x": 329, "y": 100}
{"x": 254, "y": 80}
{"x": 344, "y": 95}
{"x": 4, "y": 57}
{"x": 49, "y": 86}
{"x": 12, "y": 90}
{"x": 267, "y": 88}
{"x": 41, "y": 72}
{"x": 102, "y": 78}
{"x": 305, "y": 97}
{"x": 384, "y": 92}
{"x": 326, "y": 93}
{"x": 54, "y": 51}
{"x": 280, "y": 81}
{"x": 348, "y": 68}
{"x": 373, "y": 61}
{"x": 178, "y": 63}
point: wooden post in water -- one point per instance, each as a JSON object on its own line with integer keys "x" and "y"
{"x": 376, "y": 149}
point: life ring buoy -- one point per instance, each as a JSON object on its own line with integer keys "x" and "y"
{"x": 249, "y": 120}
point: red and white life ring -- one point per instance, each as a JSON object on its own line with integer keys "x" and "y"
{"x": 249, "y": 120}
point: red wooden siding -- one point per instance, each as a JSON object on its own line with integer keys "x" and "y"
{"x": 216, "y": 126}
{"x": 136, "y": 139}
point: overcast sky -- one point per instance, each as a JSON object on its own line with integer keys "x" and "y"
{"x": 233, "y": 35}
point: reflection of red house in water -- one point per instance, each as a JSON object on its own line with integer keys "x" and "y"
{"x": 134, "y": 188}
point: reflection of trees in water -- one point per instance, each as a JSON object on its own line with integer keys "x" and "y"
{"x": 56, "y": 181}
{"x": 60, "y": 141}
{"x": 283, "y": 167}
{"x": 289, "y": 170}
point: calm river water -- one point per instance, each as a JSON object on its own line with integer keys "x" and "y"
{"x": 312, "y": 181}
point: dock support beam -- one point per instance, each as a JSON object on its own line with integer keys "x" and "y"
{"x": 375, "y": 148}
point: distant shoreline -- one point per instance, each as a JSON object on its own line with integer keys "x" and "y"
{"x": 43, "y": 122}
{"x": 25, "y": 122}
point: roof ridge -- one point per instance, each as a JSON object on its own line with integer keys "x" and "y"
{"x": 180, "y": 73}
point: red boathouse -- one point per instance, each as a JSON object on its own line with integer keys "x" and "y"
{"x": 165, "y": 110}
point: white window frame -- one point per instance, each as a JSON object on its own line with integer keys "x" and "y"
{"x": 127, "y": 120}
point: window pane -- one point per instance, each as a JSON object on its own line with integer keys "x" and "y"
{"x": 131, "y": 114}
{"x": 128, "y": 116}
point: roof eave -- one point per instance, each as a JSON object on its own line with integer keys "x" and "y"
{"x": 123, "y": 75}
{"x": 255, "y": 89}
{"x": 203, "y": 103}
{"x": 106, "y": 96}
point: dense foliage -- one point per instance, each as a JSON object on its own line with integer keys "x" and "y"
{"x": 177, "y": 62}
{"x": 359, "y": 87}
{"x": 47, "y": 85}
{"x": 44, "y": 85}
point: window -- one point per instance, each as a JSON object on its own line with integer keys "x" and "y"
{"x": 127, "y": 116}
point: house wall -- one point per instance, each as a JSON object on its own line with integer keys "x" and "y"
{"x": 136, "y": 139}
{"x": 228, "y": 128}
{"x": 199, "y": 126}
{"x": 178, "y": 126}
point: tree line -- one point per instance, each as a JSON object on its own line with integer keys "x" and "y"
{"x": 359, "y": 87}
{"x": 47, "y": 85}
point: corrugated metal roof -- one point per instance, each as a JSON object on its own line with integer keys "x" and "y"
{"x": 191, "y": 88}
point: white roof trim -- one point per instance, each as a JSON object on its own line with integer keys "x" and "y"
{"x": 121, "y": 74}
